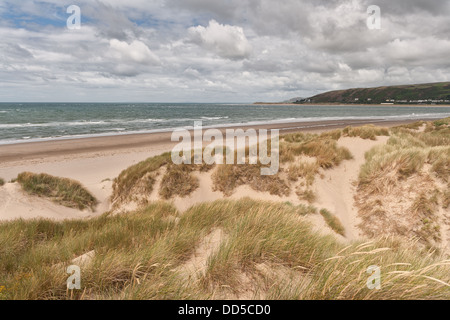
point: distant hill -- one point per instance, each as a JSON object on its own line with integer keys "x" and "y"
{"x": 431, "y": 93}
{"x": 293, "y": 100}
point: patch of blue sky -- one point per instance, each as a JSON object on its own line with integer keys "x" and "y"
{"x": 44, "y": 14}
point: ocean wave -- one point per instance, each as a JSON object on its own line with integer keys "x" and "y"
{"x": 101, "y": 122}
{"x": 119, "y": 126}
{"x": 214, "y": 118}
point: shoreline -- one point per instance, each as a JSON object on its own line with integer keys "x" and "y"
{"x": 148, "y": 141}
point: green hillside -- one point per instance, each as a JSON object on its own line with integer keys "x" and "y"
{"x": 432, "y": 93}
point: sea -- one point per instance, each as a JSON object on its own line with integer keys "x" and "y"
{"x": 28, "y": 122}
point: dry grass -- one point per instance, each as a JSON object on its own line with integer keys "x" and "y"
{"x": 63, "y": 191}
{"x": 306, "y": 195}
{"x": 333, "y": 222}
{"x": 137, "y": 182}
{"x": 366, "y": 132}
{"x": 303, "y": 170}
{"x": 446, "y": 198}
{"x": 397, "y": 191}
{"x": 139, "y": 178}
{"x": 413, "y": 126}
{"x": 178, "y": 181}
{"x": 325, "y": 150}
{"x": 327, "y": 153}
{"x": 269, "y": 252}
{"x": 424, "y": 209}
{"x": 227, "y": 178}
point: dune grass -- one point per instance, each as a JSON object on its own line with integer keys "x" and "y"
{"x": 366, "y": 132}
{"x": 306, "y": 194}
{"x": 325, "y": 149}
{"x": 333, "y": 222}
{"x": 269, "y": 251}
{"x": 413, "y": 126}
{"x": 178, "y": 181}
{"x": 63, "y": 191}
{"x": 139, "y": 178}
{"x": 2, "y": 182}
{"x": 303, "y": 170}
{"x": 136, "y": 183}
{"x": 425, "y": 208}
{"x": 405, "y": 169}
{"x": 446, "y": 198}
{"x": 227, "y": 178}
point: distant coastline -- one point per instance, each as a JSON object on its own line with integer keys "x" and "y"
{"x": 334, "y": 104}
{"x": 427, "y": 94}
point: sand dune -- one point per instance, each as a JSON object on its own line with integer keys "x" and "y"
{"x": 335, "y": 188}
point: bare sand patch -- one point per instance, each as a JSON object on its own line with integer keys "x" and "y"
{"x": 15, "y": 204}
{"x": 336, "y": 189}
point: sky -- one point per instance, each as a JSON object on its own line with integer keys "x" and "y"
{"x": 216, "y": 51}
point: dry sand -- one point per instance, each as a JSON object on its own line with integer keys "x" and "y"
{"x": 336, "y": 190}
{"x": 94, "y": 170}
{"x": 95, "y": 162}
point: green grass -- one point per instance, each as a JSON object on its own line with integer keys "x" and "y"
{"x": 333, "y": 222}
{"x": 63, "y": 191}
{"x": 140, "y": 255}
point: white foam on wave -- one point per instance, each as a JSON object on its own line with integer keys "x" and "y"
{"x": 124, "y": 131}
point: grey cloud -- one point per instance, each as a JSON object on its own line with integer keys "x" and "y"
{"x": 255, "y": 50}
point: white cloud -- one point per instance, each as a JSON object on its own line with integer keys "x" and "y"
{"x": 136, "y": 51}
{"x": 226, "y": 41}
{"x": 180, "y": 50}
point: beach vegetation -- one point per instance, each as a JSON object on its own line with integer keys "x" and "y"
{"x": 226, "y": 178}
{"x": 324, "y": 149}
{"x": 264, "y": 251}
{"x": 365, "y": 132}
{"x": 408, "y": 172}
{"x": 333, "y": 222}
{"x": 306, "y": 195}
{"x": 178, "y": 181}
{"x": 63, "y": 191}
{"x": 139, "y": 178}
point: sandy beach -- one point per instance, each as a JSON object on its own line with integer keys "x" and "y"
{"x": 111, "y": 145}
{"x": 95, "y": 162}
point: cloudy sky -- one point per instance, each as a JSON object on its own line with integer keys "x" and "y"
{"x": 216, "y": 51}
